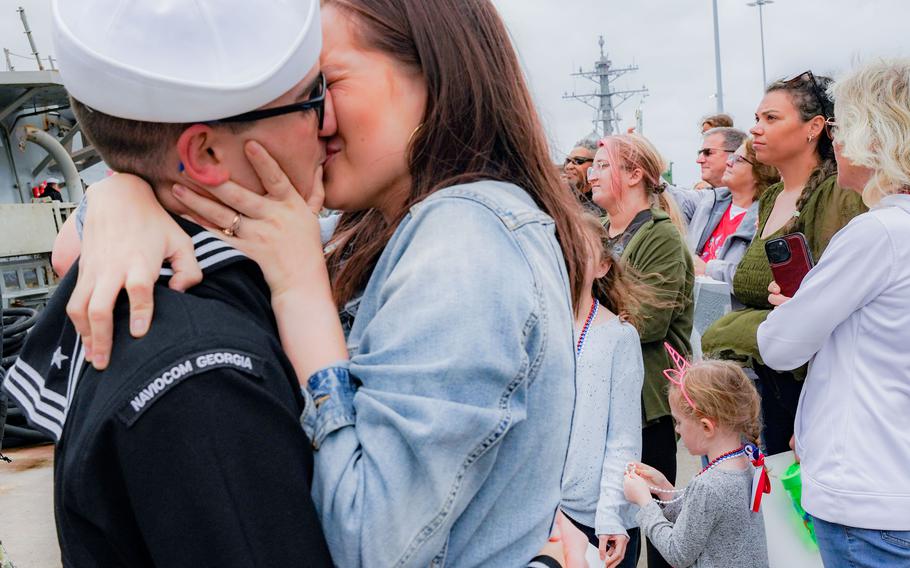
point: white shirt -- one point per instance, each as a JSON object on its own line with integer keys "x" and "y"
{"x": 851, "y": 318}
{"x": 733, "y": 211}
{"x": 606, "y": 428}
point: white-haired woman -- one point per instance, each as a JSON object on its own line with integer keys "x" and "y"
{"x": 851, "y": 317}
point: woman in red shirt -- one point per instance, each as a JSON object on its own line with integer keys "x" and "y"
{"x": 747, "y": 179}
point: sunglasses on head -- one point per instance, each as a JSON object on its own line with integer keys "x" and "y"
{"x": 315, "y": 101}
{"x": 816, "y": 90}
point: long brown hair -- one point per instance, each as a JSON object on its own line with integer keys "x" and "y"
{"x": 621, "y": 290}
{"x": 809, "y": 94}
{"x": 479, "y": 123}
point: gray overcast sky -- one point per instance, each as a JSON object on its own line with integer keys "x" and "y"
{"x": 671, "y": 41}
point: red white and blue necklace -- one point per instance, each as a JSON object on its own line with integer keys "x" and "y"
{"x": 592, "y": 313}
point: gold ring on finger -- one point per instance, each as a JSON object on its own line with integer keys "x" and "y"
{"x": 235, "y": 226}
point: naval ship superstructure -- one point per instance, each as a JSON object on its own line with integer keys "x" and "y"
{"x": 39, "y": 140}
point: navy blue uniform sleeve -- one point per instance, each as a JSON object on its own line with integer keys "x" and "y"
{"x": 218, "y": 472}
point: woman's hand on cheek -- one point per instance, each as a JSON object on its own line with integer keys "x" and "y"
{"x": 278, "y": 230}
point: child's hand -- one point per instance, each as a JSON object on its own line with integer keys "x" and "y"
{"x": 651, "y": 476}
{"x": 612, "y": 549}
{"x": 636, "y": 489}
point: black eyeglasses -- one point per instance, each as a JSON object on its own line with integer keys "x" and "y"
{"x": 816, "y": 90}
{"x": 830, "y": 127}
{"x": 734, "y": 159}
{"x": 316, "y": 101}
{"x": 578, "y": 160}
{"x": 708, "y": 152}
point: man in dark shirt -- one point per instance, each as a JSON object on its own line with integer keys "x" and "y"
{"x": 187, "y": 449}
{"x": 52, "y": 189}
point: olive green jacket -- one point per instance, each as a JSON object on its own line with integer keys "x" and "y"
{"x": 824, "y": 213}
{"x": 659, "y": 254}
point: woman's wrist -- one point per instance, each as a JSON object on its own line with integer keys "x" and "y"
{"x": 309, "y": 327}
{"x": 306, "y": 276}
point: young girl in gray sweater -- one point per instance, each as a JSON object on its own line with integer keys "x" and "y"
{"x": 714, "y": 521}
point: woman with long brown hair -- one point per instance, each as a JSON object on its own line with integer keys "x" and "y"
{"x": 790, "y": 135}
{"x": 442, "y": 438}
{"x": 851, "y": 318}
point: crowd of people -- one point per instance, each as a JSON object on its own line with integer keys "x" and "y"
{"x": 474, "y": 359}
{"x": 814, "y": 140}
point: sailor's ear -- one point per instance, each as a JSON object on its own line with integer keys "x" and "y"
{"x": 201, "y": 158}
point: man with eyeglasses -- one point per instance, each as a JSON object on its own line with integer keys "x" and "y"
{"x": 576, "y": 166}
{"x": 717, "y": 145}
{"x": 187, "y": 449}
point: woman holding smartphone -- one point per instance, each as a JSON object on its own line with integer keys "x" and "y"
{"x": 790, "y": 135}
{"x": 852, "y": 318}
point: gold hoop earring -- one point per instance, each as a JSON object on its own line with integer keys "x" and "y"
{"x": 414, "y": 133}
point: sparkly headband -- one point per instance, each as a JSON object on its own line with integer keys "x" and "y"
{"x": 677, "y": 376}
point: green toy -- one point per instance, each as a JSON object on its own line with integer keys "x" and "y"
{"x": 793, "y": 485}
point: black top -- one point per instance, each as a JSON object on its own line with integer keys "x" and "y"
{"x": 53, "y": 193}
{"x": 187, "y": 450}
{"x": 619, "y": 243}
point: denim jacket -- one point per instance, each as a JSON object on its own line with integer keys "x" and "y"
{"x": 442, "y": 442}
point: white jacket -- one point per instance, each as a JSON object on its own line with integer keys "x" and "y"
{"x": 851, "y": 318}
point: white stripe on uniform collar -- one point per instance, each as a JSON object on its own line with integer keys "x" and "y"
{"x": 205, "y": 243}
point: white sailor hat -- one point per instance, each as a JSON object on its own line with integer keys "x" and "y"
{"x": 52, "y": 180}
{"x": 183, "y": 60}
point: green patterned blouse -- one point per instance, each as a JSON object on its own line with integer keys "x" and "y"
{"x": 826, "y": 211}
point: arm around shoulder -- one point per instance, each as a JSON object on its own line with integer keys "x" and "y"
{"x": 67, "y": 247}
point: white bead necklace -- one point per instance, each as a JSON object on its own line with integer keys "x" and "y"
{"x": 729, "y": 455}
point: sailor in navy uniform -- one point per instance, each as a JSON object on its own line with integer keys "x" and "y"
{"x": 187, "y": 450}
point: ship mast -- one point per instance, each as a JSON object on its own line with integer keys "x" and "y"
{"x": 605, "y": 99}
